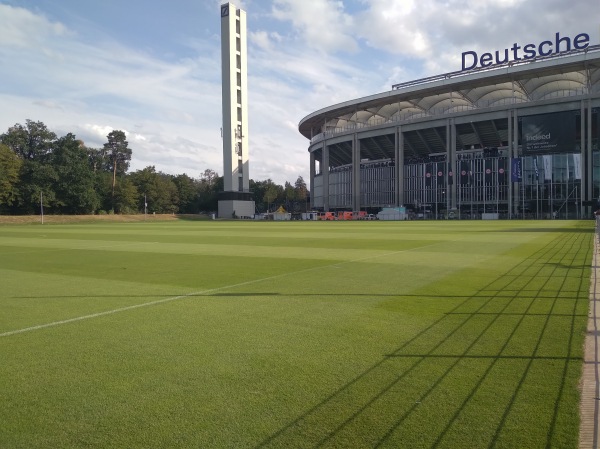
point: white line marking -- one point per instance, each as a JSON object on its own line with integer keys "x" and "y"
{"x": 198, "y": 293}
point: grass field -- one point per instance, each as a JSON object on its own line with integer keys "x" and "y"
{"x": 292, "y": 334}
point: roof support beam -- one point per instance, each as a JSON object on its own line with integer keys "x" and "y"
{"x": 477, "y": 134}
{"x": 424, "y": 142}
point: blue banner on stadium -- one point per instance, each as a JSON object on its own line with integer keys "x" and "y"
{"x": 516, "y": 169}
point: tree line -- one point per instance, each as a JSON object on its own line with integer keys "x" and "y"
{"x": 68, "y": 177}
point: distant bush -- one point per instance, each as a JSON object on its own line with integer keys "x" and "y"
{"x": 128, "y": 211}
{"x": 101, "y": 212}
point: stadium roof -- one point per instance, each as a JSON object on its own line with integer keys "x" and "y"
{"x": 561, "y": 75}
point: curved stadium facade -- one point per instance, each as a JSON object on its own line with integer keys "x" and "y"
{"x": 514, "y": 140}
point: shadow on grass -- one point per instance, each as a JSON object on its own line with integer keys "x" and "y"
{"x": 192, "y": 217}
{"x": 567, "y": 266}
{"x": 549, "y": 230}
{"x": 309, "y": 428}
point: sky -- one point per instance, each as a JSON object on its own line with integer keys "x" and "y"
{"x": 152, "y": 67}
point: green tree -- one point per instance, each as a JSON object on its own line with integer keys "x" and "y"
{"x": 209, "y": 176}
{"x": 159, "y": 188}
{"x": 33, "y": 144}
{"x": 103, "y": 187}
{"x": 258, "y": 189}
{"x": 301, "y": 193}
{"x": 210, "y": 186}
{"x": 188, "y": 192}
{"x": 10, "y": 167}
{"x": 96, "y": 158}
{"x": 289, "y": 194}
{"x": 36, "y": 178}
{"x": 145, "y": 182}
{"x": 271, "y": 194}
{"x": 118, "y": 155}
{"x": 301, "y": 189}
{"x": 127, "y": 197}
{"x": 30, "y": 142}
{"x": 74, "y": 188}
{"x": 168, "y": 200}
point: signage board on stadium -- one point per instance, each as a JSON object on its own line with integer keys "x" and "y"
{"x": 549, "y": 133}
{"x": 471, "y": 60}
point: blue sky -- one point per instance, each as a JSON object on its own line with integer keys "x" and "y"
{"x": 152, "y": 68}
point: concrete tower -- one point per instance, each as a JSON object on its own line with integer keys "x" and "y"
{"x": 236, "y": 199}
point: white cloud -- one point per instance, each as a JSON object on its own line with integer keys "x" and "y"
{"x": 395, "y": 26}
{"x": 49, "y": 104}
{"x": 260, "y": 39}
{"x": 99, "y": 130}
{"x": 107, "y": 86}
{"x": 263, "y": 39}
{"x": 303, "y": 55}
{"x": 436, "y": 32}
{"x": 321, "y": 24}
{"x": 22, "y": 28}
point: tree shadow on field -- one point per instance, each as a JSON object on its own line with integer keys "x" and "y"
{"x": 378, "y": 394}
{"x": 568, "y": 267}
{"x": 568, "y": 230}
{"x": 193, "y": 217}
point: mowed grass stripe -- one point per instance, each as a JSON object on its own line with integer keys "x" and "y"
{"x": 444, "y": 347}
{"x": 426, "y": 337}
{"x": 320, "y": 233}
{"x": 345, "y": 354}
{"x": 74, "y": 265}
{"x": 242, "y": 249}
{"x": 501, "y": 355}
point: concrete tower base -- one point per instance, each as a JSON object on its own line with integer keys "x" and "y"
{"x": 238, "y": 204}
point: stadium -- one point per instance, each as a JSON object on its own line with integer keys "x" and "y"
{"x": 511, "y": 135}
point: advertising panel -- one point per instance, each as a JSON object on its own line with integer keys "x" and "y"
{"x": 549, "y": 133}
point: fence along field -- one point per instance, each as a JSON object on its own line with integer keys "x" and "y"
{"x": 358, "y": 334}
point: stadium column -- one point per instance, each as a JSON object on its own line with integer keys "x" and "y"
{"x": 515, "y": 153}
{"x": 582, "y": 151}
{"x": 510, "y": 156}
{"x": 355, "y": 173}
{"x": 312, "y": 180}
{"x": 451, "y": 138}
{"x": 448, "y": 159}
{"x": 589, "y": 159}
{"x": 399, "y": 166}
{"x": 325, "y": 175}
